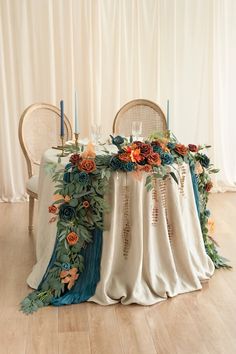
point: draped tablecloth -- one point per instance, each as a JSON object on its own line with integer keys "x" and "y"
{"x": 152, "y": 242}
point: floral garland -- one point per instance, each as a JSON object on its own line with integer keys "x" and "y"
{"x": 79, "y": 203}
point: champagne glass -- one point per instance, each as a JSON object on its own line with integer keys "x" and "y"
{"x": 136, "y": 129}
{"x": 96, "y": 133}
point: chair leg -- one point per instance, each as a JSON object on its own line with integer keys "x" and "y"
{"x": 31, "y": 213}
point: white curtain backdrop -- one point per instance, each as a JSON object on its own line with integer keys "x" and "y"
{"x": 112, "y": 51}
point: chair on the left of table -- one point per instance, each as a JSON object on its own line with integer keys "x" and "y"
{"x": 39, "y": 128}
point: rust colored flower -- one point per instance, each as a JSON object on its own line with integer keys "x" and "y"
{"x": 86, "y": 204}
{"x": 125, "y": 156}
{"x": 72, "y": 238}
{"x": 181, "y": 149}
{"x": 52, "y": 209}
{"x": 75, "y": 159}
{"x": 192, "y": 147}
{"x": 87, "y": 165}
{"x": 137, "y": 144}
{"x": 146, "y": 149}
{"x": 69, "y": 277}
{"x": 154, "y": 159}
{"x": 146, "y": 168}
{"x": 208, "y": 186}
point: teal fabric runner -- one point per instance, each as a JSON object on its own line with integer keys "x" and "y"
{"x": 195, "y": 188}
{"x": 85, "y": 286}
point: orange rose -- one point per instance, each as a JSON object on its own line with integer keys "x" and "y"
{"x": 86, "y": 204}
{"x": 87, "y": 165}
{"x": 52, "y": 209}
{"x": 154, "y": 159}
{"x": 181, "y": 149}
{"x": 72, "y": 238}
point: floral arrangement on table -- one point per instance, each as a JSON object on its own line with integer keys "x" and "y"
{"x": 79, "y": 203}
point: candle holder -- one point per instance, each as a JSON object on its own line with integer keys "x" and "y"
{"x": 76, "y": 141}
{"x": 62, "y": 147}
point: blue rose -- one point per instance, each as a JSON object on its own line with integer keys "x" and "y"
{"x": 67, "y": 212}
{"x": 68, "y": 166}
{"x": 128, "y": 166}
{"x": 117, "y": 140}
{"x": 167, "y": 159}
{"x": 157, "y": 149}
{"x": 115, "y": 163}
{"x": 171, "y": 146}
{"x": 207, "y": 213}
{"x": 66, "y": 266}
{"x": 82, "y": 178}
{"x": 204, "y": 160}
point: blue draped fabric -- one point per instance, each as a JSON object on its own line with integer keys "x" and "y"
{"x": 195, "y": 187}
{"x": 85, "y": 286}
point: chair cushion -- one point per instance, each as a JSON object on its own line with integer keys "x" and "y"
{"x": 32, "y": 184}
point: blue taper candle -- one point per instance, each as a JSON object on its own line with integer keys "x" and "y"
{"x": 62, "y": 117}
{"x": 168, "y": 115}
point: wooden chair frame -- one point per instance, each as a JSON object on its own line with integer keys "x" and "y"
{"x": 28, "y": 157}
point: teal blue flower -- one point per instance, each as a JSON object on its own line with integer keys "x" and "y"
{"x": 118, "y": 140}
{"x": 115, "y": 163}
{"x": 171, "y": 146}
{"x": 128, "y": 166}
{"x": 157, "y": 149}
{"x": 82, "y": 178}
{"x": 167, "y": 159}
{"x": 66, "y": 266}
{"x": 204, "y": 160}
{"x": 67, "y": 212}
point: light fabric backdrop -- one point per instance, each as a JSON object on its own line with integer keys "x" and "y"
{"x": 112, "y": 51}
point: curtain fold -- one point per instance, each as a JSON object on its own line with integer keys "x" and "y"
{"x": 112, "y": 52}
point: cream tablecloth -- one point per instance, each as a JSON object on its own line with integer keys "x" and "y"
{"x": 156, "y": 263}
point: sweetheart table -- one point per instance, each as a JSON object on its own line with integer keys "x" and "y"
{"x": 152, "y": 245}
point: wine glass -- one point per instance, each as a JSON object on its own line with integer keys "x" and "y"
{"x": 96, "y": 133}
{"x": 136, "y": 129}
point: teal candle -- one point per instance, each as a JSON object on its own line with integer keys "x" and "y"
{"x": 62, "y": 117}
{"x": 76, "y": 121}
{"x": 168, "y": 115}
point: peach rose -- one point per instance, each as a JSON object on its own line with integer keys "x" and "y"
{"x": 72, "y": 238}
{"x": 69, "y": 277}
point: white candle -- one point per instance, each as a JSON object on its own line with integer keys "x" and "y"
{"x": 76, "y": 121}
{"x": 168, "y": 115}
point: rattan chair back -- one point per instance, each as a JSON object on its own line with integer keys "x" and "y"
{"x": 39, "y": 129}
{"x": 149, "y": 113}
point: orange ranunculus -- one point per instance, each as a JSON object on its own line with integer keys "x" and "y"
{"x": 208, "y": 186}
{"x": 86, "y": 204}
{"x": 211, "y": 226}
{"x": 52, "y": 209}
{"x": 181, "y": 149}
{"x": 87, "y": 165}
{"x": 69, "y": 277}
{"x": 72, "y": 238}
{"x": 89, "y": 152}
{"x": 125, "y": 156}
{"x": 136, "y": 156}
{"x": 198, "y": 168}
{"x": 154, "y": 159}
